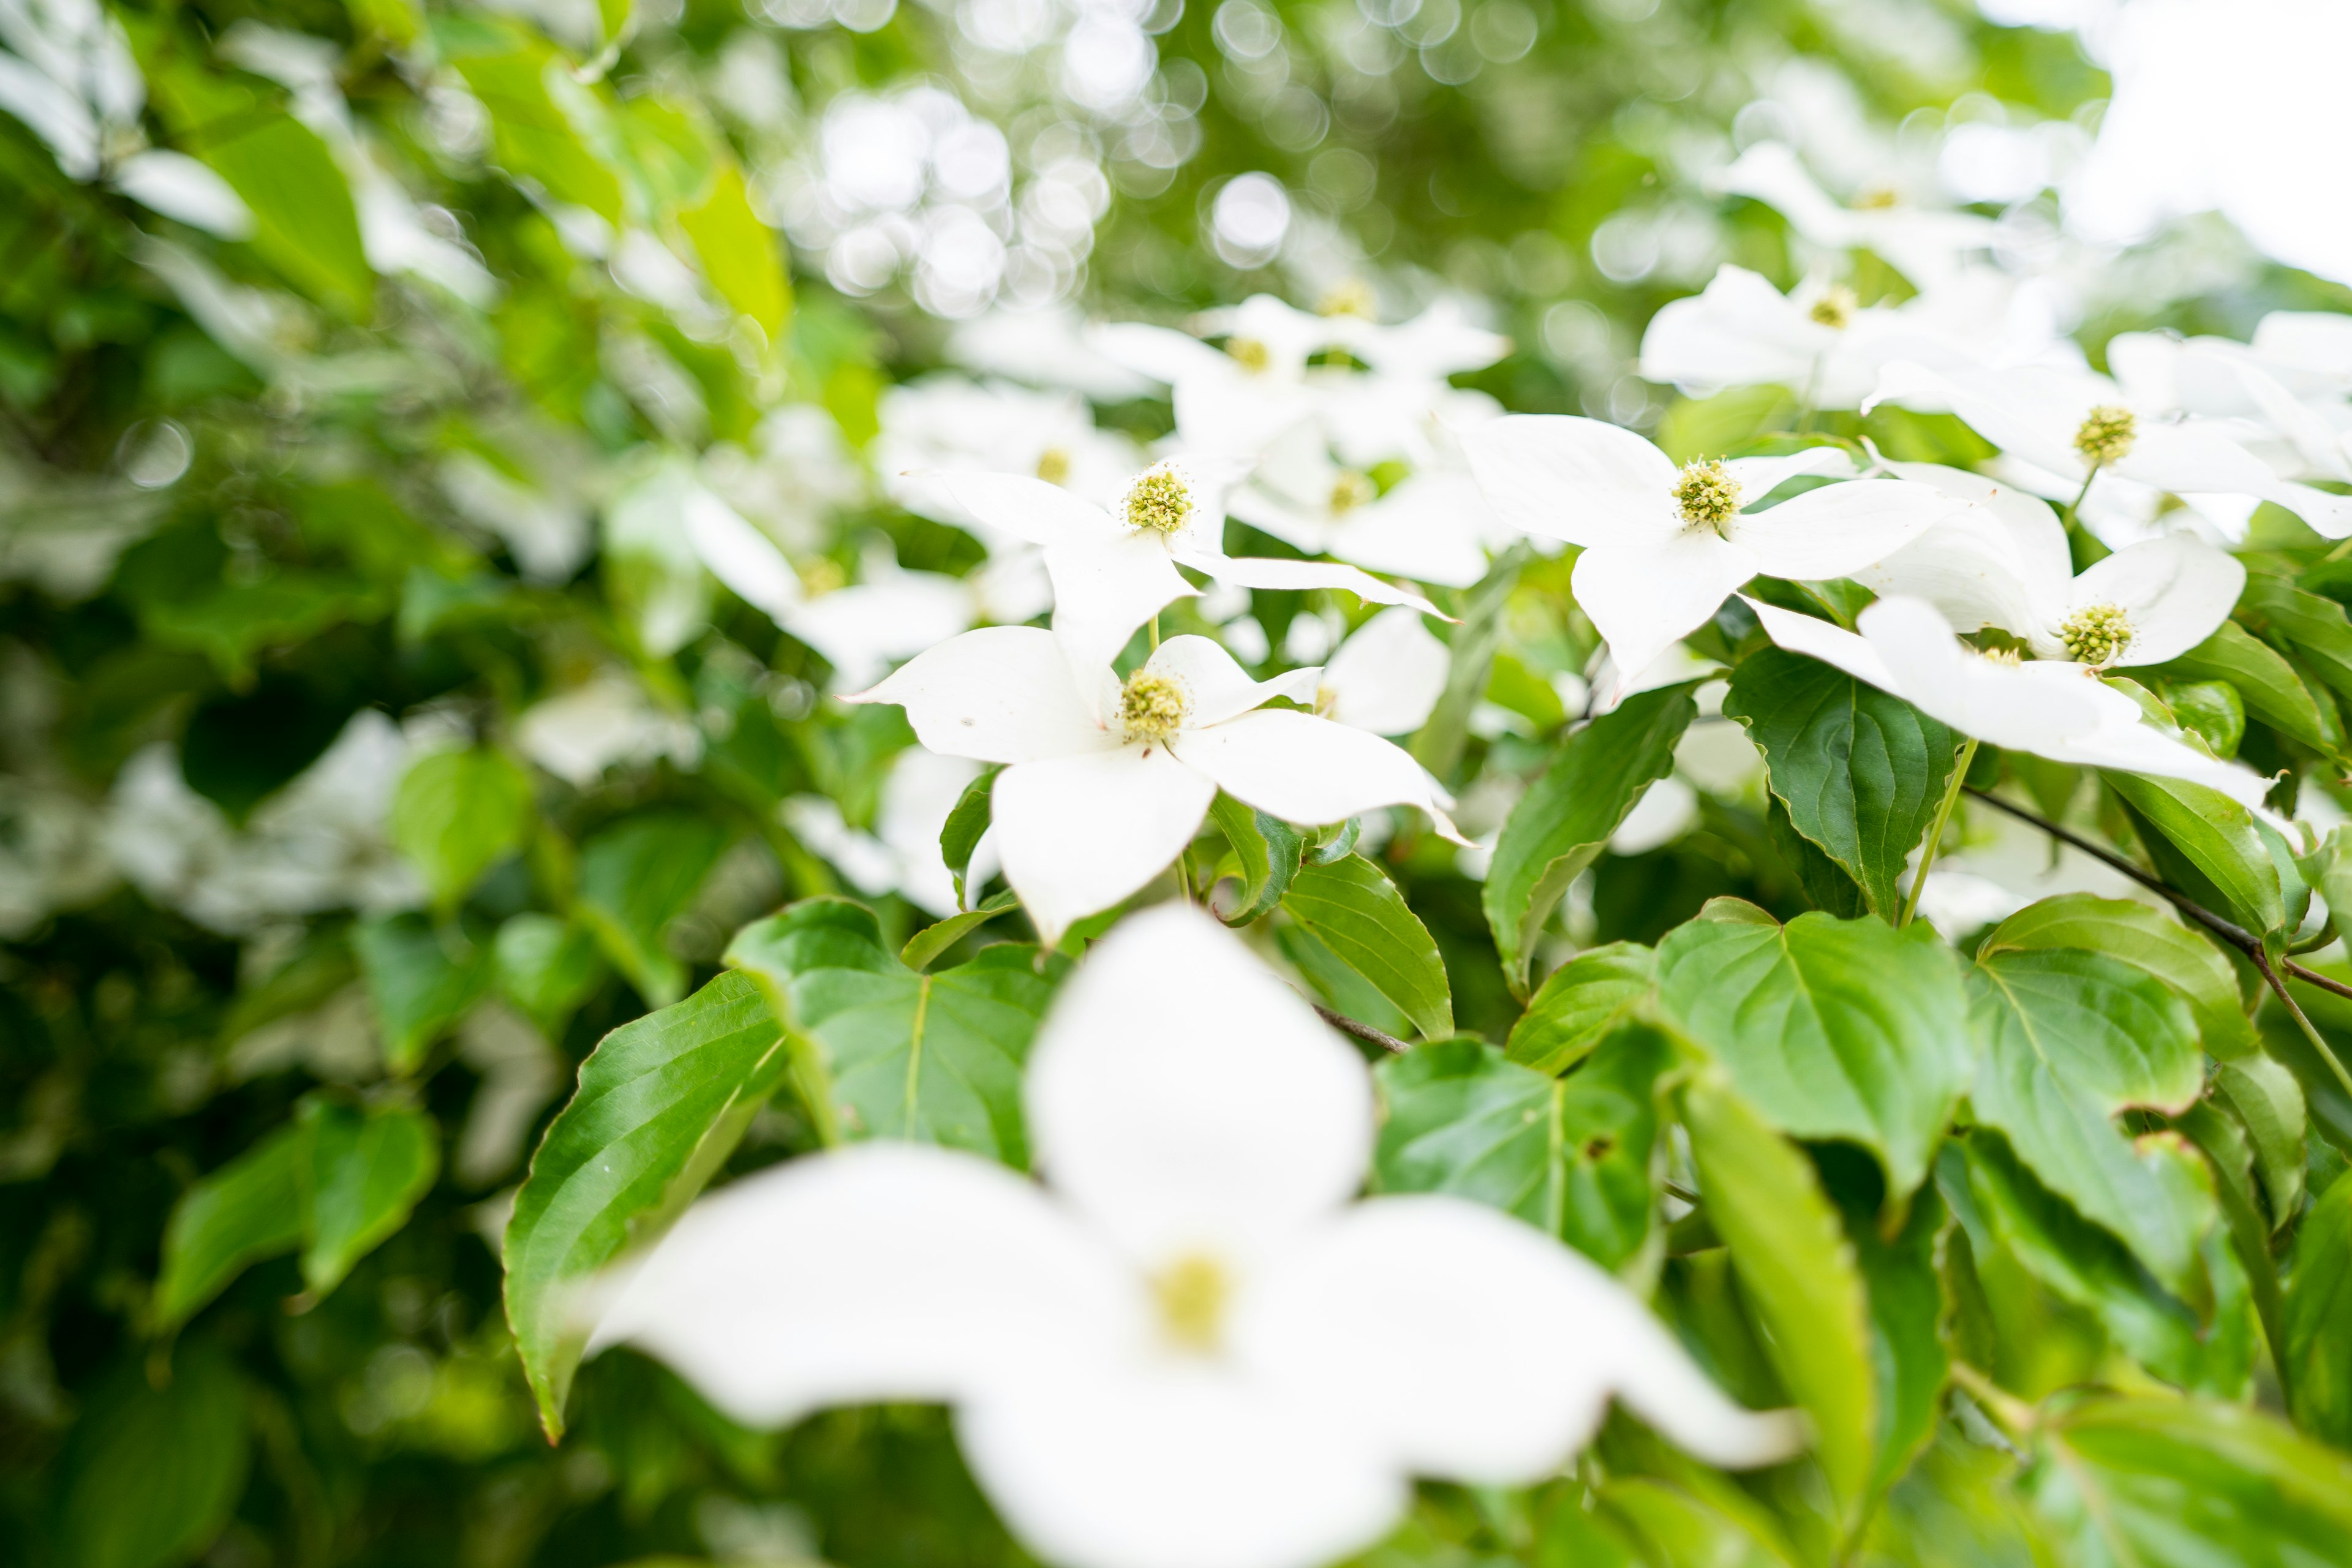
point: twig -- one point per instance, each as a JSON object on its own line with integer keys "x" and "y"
{"x": 1364, "y": 1032}
{"x": 2229, "y": 930}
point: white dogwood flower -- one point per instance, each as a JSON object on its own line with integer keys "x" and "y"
{"x": 1231, "y": 401}
{"x": 1115, "y": 569}
{"x": 1665, "y": 546}
{"x": 1925, "y": 244}
{"x": 1387, "y": 677}
{"x": 1108, "y": 780}
{"x": 2004, "y": 563}
{"x": 1432, "y": 526}
{"x": 1190, "y": 1347}
{"x": 2053, "y": 708}
{"x": 902, "y": 854}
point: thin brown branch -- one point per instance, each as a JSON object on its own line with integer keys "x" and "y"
{"x": 1364, "y": 1032}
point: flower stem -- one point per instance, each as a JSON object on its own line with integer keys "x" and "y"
{"x": 1936, "y": 833}
{"x": 1155, "y": 631}
{"x": 2075, "y": 506}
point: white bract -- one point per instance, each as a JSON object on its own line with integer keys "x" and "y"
{"x": 1665, "y": 546}
{"x": 902, "y": 854}
{"x": 2004, "y": 563}
{"x": 1191, "y": 1350}
{"x": 1925, "y": 244}
{"x": 2048, "y": 707}
{"x": 1432, "y": 526}
{"x": 1108, "y": 780}
{"x": 1387, "y": 677}
{"x": 1231, "y": 401}
{"x": 1115, "y": 569}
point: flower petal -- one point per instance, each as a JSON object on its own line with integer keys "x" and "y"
{"x": 1388, "y": 676}
{"x": 1428, "y": 528}
{"x": 1002, "y": 694}
{"x": 1645, "y": 598}
{"x": 888, "y": 1271}
{"x": 2002, "y": 562}
{"x": 1185, "y": 1098}
{"x": 1078, "y": 833}
{"x": 1841, "y": 529}
{"x": 1821, "y": 639}
{"x": 862, "y": 628}
{"x": 1308, "y": 770}
{"x": 754, "y": 570}
{"x": 1028, "y": 508}
{"x": 1738, "y": 331}
{"x": 1161, "y": 1464}
{"x": 1255, "y": 572}
{"x": 1105, "y": 588}
{"x": 1451, "y": 1388}
{"x": 1579, "y": 479}
{"x": 2177, "y": 591}
{"x": 1216, "y": 687}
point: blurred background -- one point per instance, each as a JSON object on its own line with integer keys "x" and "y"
{"x": 356, "y": 364}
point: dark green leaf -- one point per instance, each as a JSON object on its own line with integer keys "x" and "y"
{"x": 1266, "y": 852}
{"x": 1342, "y": 989}
{"x": 959, "y": 834}
{"x": 367, "y": 1171}
{"x": 2272, "y": 690}
{"x": 1827, "y": 887}
{"x": 421, "y": 979}
{"x": 1860, "y": 772}
{"x": 635, "y": 879}
{"x": 546, "y": 967}
{"x": 934, "y": 939}
{"x": 2318, "y": 1338}
{"x": 2268, "y": 1103}
{"x": 2314, "y": 623}
{"x": 458, "y": 814}
{"x": 661, "y": 1102}
{"x": 249, "y": 1209}
{"x": 2149, "y": 941}
{"x": 151, "y": 1475}
{"x": 1831, "y": 1028}
{"x": 1356, "y": 911}
{"x": 1906, "y": 1302}
{"x": 1563, "y": 821}
{"x": 2212, "y": 843}
{"x": 1580, "y": 1002}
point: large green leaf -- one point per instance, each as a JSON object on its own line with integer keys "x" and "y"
{"x": 933, "y": 1057}
{"x": 2071, "y": 1038}
{"x": 249, "y": 1209}
{"x": 2084, "y": 1265}
{"x": 1798, "y": 1271}
{"x": 2318, "y": 1328}
{"x": 421, "y": 978}
{"x": 635, "y": 879}
{"x": 151, "y": 1473}
{"x": 2138, "y": 1482}
{"x": 368, "y": 1168}
{"x": 459, "y": 813}
{"x": 742, "y": 256}
{"x": 2212, "y": 844}
{"x": 1831, "y": 1028}
{"x": 2269, "y": 686}
{"x": 1570, "y": 1154}
{"x": 662, "y": 1101}
{"x": 1860, "y": 771}
{"x": 1580, "y": 1002}
{"x": 1356, "y": 911}
{"x": 534, "y": 135}
{"x": 304, "y": 222}
{"x": 2149, "y": 941}
{"x": 1563, "y": 821}
{"x": 2313, "y": 623}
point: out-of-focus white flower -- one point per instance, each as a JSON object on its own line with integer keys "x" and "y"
{"x": 2077, "y": 425}
{"x": 1441, "y": 341}
{"x": 1925, "y": 245}
{"x": 1048, "y": 347}
{"x": 2051, "y": 708}
{"x": 1665, "y": 546}
{"x": 2004, "y": 563}
{"x": 605, "y": 720}
{"x": 1195, "y": 1350}
{"x": 1231, "y": 401}
{"x": 1114, "y": 570}
{"x": 1432, "y": 526}
{"x": 1387, "y": 677}
{"x": 52, "y": 856}
{"x": 902, "y": 855}
{"x": 1108, "y": 780}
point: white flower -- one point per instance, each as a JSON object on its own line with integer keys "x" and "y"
{"x": 943, "y": 424}
{"x": 1387, "y": 677}
{"x": 1048, "y": 347}
{"x": 2075, "y": 425}
{"x": 1191, "y": 1350}
{"x": 1109, "y": 779}
{"x": 1663, "y": 546}
{"x": 1924, "y": 243}
{"x": 605, "y": 720}
{"x": 1443, "y": 341}
{"x": 902, "y": 854}
{"x": 2050, "y": 708}
{"x": 1114, "y": 570}
{"x": 2003, "y": 563}
{"x": 1231, "y": 401}
{"x": 1432, "y": 526}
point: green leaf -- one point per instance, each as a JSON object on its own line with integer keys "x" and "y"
{"x": 661, "y": 1102}
{"x": 1580, "y": 1002}
{"x": 1831, "y": 1028}
{"x": 1569, "y": 1155}
{"x": 2211, "y": 709}
{"x": 1266, "y": 851}
{"x": 2208, "y": 833}
{"x": 2071, "y": 1038}
{"x": 741, "y": 256}
{"x": 1861, "y": 773}
{"x": 959, "y": 834}
{"x": 151, "y": 1475}
{"x": 233, "y": 622}
{"x": 2267, "y": 1102}
{"x": 367, "y": 1171}
{"x": 2186, "y": 1483}
{"x": 1563, "y": 821}
{"x": 1355, "y": 910}
{"x": 1798, "y": 1272}
{"x": 2149, "y": 940}
{"x": 2269, "y": 686}
{"x": 249, "y": 1209}
{"x": 2317, "y": 1349}
{"x": 936, "y": 1058}
{"x": 304, "y": 223}
{"x": 458, "y": 814}
{"x": 547, "y": 967}
{"x": 533, "y": 136}
{"x": 2082, "y": 1263}
{"x": 934, "y": 939}
{"x": 1906, "y": 1302}
{"x": 2315, "y": 623}
{"x": 421, "y": 978}
{"x": 1342, "y": 989}
{"x": 1471, "y": 659}
{"x": 1827, "y": 887}
{"x": 635, "y": 879}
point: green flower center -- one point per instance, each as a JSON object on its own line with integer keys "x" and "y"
{"x": 2107, "y": 433}
{"x": 1350, "y": 491}
{"x": 2096, "y": 635}
{"x": 1153, "y": 707}
{"x": 1054, "y": 464}
{"x": 1191, "y": 1294}
{"x": 1159, "y": 500}
{"x": 1835, "y": 309}
{"x": 1354, "y": 296}
{"x": 1706, "y": 495}
{"x": 1253, "y": 355}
